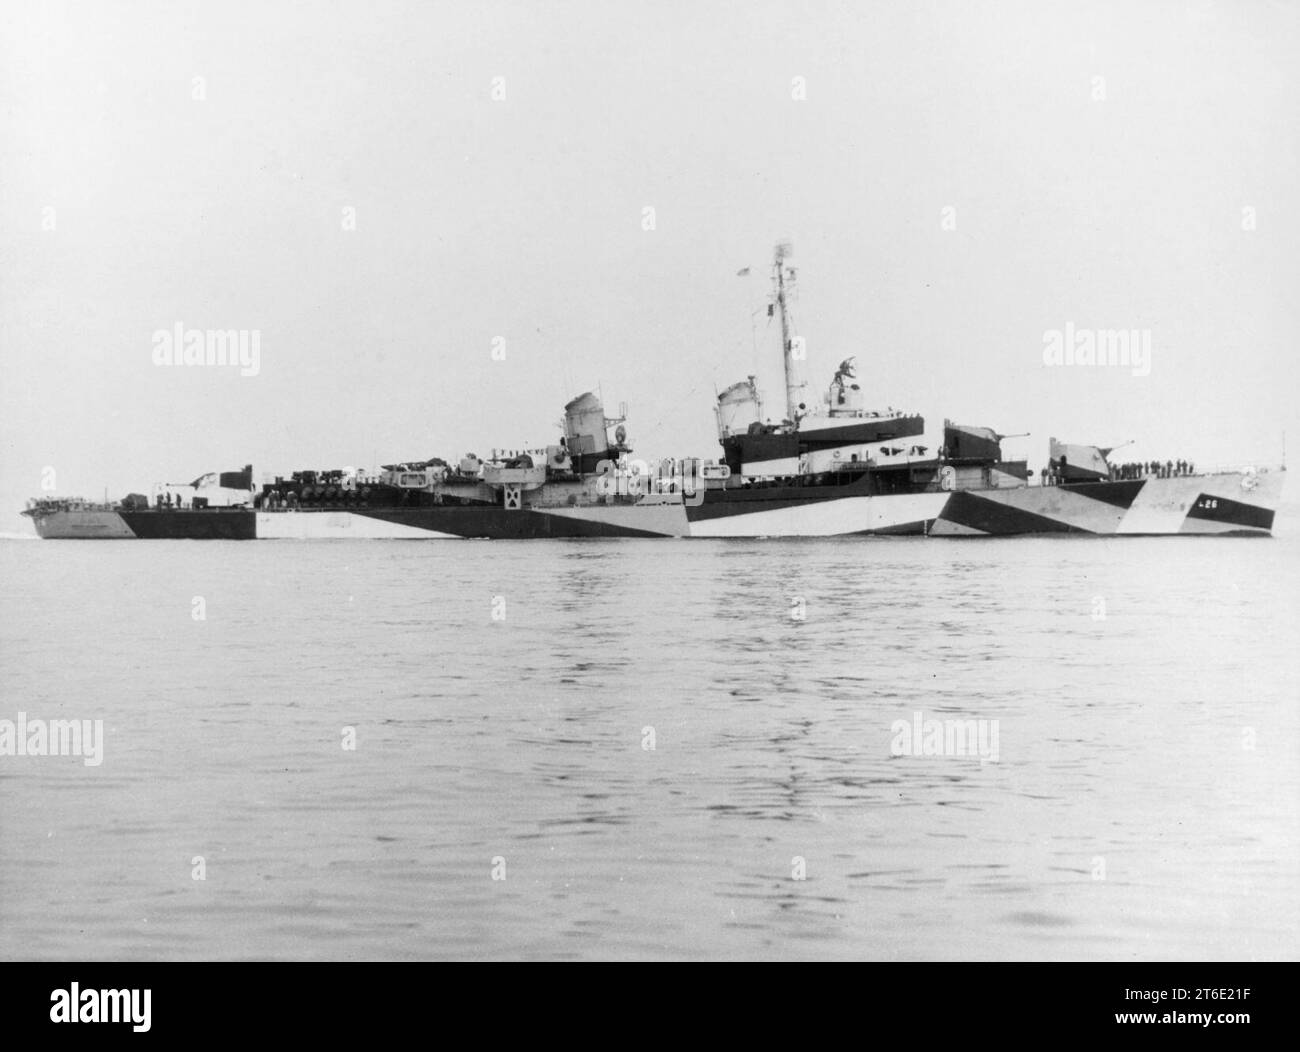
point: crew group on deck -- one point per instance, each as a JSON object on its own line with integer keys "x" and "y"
{"x": 1153, "y": 469}
{"x": 1055, "y": 472}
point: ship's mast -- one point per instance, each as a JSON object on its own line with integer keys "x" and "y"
{"x": 792, "y": 383}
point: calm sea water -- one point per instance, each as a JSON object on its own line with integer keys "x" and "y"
{"x": 1145, "y": 801}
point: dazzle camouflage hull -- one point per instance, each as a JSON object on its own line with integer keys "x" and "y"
{"x": 1223, "y": 504}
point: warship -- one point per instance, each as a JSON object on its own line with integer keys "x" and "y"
{"x": 836, "y": 468}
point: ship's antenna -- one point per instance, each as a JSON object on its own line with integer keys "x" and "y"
{"x": 783, "y": 250}
{"x": 743, "y": 272}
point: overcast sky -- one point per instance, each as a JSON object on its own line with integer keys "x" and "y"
{"x": 956, "y": 179}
